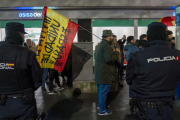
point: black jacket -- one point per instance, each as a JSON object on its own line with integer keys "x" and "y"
{"x": 121, "y": 43}
{"x": 173, "y": 45}
{"x": 154, "y": 72}
{"x": 33, "y": 68}
{"x": 141, "y": 43}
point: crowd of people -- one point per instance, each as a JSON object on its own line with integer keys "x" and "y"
{"x": 50, "y": 75}
{"x": 151, "y": 71}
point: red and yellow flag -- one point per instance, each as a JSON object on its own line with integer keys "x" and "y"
{"x": 56, "y": 39}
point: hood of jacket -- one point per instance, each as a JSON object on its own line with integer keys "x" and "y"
{"x": 13, "y": 37}
{"x": 156, "y": 31}
{"x": 128, "y": 46}
{"x": 157, "y": 42}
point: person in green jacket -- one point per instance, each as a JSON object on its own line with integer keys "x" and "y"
{"x": 105, "y": 57}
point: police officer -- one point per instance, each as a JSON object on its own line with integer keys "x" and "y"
{"x": 154, "y": 75}
{"x": 20, "y": 76}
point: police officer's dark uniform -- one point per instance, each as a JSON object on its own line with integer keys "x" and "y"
{"x": 154, "y": 75}
{"x": 20, "y": 76}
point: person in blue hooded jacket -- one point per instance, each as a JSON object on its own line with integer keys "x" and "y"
{"x": 130, "y": 47}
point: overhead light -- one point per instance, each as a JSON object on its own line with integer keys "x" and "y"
{"x": 33, "y": 8}
{"x": 174, "y": 14}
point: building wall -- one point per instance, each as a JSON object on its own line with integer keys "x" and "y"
{"x": 18, "y": 3}
{"x": 13, "y": 14}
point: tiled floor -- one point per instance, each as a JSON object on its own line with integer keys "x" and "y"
{"x": 66, "y": 106}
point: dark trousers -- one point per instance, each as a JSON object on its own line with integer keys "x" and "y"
{"x": 121, "y": 70}
{"x": 153, "y": 114}
{"x": 15, "y": 109}
{"x": 53, "y": 75}
{"x": 130, "y": 92}
{"x": 56, "y": 76}
{"x": 51, "y": 79}
{"x": 69, "y": 81}
{"x": 102, "y": 91}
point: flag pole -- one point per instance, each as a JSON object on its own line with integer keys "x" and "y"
{"x": 90, "y": 32}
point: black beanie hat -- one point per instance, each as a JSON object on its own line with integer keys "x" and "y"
{"x": 156, "y": 31}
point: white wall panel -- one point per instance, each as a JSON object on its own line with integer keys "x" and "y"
{"x": 118, "y": 31}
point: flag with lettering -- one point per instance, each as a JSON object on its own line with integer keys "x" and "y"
{"x": 56, "y": 39}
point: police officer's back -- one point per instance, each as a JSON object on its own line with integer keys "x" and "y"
{"x": 154, "y": 74}
{"x": 20, "y": 75}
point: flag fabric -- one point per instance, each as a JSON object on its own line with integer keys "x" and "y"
{"x": 79, "y": 58}
{"x": 56, "y": 39}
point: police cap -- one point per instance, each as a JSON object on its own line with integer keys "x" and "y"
{"x": 16, "y": 26}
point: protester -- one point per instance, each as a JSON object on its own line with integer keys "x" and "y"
{"x": 29, "y": 45}
{"x": 105, "y": 57}
{"x": 129, "y": 49}
{"x": 56, "y": 77}
{"x": 45, "y": 74}
{"x": 118, "y": 62}
{"x": 51, "y": 80}
{"x": 33, "y": 44}
{"x": 173, "y": 43}
{"x": 53, "y": 75}
{"x": 63, "y": 75}
{"x": 121, "y": 43}
{"x": 169, "y": 35}
{"x": 141, "y": 44}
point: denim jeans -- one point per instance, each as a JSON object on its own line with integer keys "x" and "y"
{"x": 102, "y": 91}
{"x": 45, "y": 72}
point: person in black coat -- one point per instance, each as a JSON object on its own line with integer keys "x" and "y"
{"x": 173, "y": 43}
{"x": 141, "y": 44}
{"x": 153, "y": 74}
{"x": 121, "y": 43}
{"x": 21, "y": 76}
